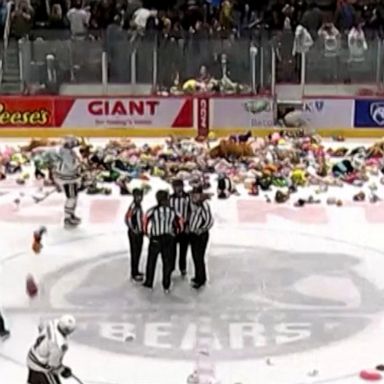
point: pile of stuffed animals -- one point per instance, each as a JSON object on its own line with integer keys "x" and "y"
{"x": 282, "y": 163}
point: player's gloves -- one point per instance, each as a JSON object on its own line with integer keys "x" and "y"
{"x": 66, "y": 372}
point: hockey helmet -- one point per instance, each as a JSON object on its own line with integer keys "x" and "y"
{"x": 71, "y": 142}
{"x": 67, "y": 324}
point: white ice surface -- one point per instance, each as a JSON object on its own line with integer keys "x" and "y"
{"x": 346, "y": 231}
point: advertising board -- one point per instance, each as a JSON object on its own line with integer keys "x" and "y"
{"x": 26, "y": 112}
{"x": 328, "y": 113}
{"x": 129, "y": 112}
{"x": 369, "y": 113}
{"x": 244, "y": 112}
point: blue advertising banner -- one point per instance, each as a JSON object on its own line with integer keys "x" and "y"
{"x": 369, "y": 113}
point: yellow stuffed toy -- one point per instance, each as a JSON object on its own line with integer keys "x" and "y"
{"x": 298, "y": 177}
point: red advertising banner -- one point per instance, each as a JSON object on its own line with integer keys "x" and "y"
{"x": 25, "y": 112}
{"x": 97, "y": 112}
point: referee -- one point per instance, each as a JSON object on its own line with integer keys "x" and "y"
{"x": 134, "y": 220}
{"x": 180, "y": 201}
{"x": 161, "y": 224}
{"x": 200, "y": 222}
{"x": 4, "y": 333}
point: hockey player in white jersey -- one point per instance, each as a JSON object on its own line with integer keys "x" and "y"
{"x": 45, "y": 358}
{"x": 67, "y": 176}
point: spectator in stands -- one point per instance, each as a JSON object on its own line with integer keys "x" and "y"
{"x": 377, "y": 20}
{"x": 331, "y": 39}
{"x": 78, "y": 18}
{"x": 226, "y": 15}
{"x": 115, "y": 33}
{"x": 104, "y": 13}
{"x": 274, "y": 17}
{"x": 131, "y": 8}
{"x": 345, "y": 15}
{"x": 302, "y": 42}
{"x": 140, "y": 19}
{"x": 357, "y": 44}
{"x": 115, "y": 37}
{"x": 22, "y": 20}
{"x": 56, "y": 17}
{"x": 248, "y": 18}
{"x": 312, "y": 19}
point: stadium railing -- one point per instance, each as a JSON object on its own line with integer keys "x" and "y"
{"x": 257, "y": 64}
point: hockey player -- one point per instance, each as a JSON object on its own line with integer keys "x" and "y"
{"x": 45, "y": 358}
{"x": 67, "y": 175}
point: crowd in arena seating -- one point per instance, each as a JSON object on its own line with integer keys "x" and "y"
{"x": 217, "y": 32}
{"x": 178, "y": 18}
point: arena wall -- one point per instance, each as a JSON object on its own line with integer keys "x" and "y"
{"x": 152, "y": 116}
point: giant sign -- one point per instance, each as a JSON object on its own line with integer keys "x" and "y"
{"x": 130, "y": 112}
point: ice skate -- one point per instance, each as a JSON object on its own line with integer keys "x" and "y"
{"x": 70, "y": 222}
{"x": 76, "y": 219}
{"x": 4, "y": 335}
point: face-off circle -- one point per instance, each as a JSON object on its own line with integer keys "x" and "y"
{"x": 260, "y": 302}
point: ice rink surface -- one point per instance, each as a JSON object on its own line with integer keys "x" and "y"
{"x": 295, "y": 295}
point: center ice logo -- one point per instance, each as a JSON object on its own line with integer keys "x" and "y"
{"x": 260, "y": 302}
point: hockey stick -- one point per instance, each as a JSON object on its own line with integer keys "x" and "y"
{"x": 39, "y": 199}
{"x": 76, "y": 379}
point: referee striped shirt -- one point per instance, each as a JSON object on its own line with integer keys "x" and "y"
{"x": 181, "y": 204}
{"x": 225, "y": 184}
{"x": 134, "y": 218}
{"x": 162, "y": 220}
{"x": 201, "y": 219}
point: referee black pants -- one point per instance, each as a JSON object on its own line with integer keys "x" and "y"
{"x": 181, "y": 242}
{"x": 199, "y": 246}
{"x": 35, "y": 377}
{"x": 163, "y": 245}
{"x": 136, "y": 246}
